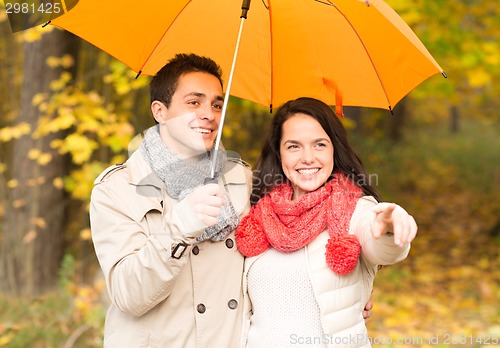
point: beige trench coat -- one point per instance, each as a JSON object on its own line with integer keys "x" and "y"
{"x": 158, "y": 300}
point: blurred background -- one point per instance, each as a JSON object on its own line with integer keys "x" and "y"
{"x": 438, "y": 155}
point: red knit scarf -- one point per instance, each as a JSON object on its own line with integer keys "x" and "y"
{"x": 288, "y": 225}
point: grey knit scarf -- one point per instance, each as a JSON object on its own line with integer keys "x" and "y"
{"x": 181, "y": 177}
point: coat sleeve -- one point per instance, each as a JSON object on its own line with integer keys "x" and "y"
{"x": 381, "y": 251}
{"x": 136, "y": 262}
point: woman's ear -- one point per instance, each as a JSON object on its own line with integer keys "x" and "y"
{"x": 158, "y": 110}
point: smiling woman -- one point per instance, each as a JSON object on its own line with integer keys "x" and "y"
{"x": 308, "y": 198}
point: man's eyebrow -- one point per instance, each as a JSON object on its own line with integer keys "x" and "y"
{"x": 202, "y": 95}
{"x": 195, "y": 94}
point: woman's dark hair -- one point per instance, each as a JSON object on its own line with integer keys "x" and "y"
{"x": 268, "y": 172}
{"x": 162, "y": 87}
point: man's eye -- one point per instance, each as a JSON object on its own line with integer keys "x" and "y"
{"x": 193, "y": 102}
{"x": 217, "y": 106}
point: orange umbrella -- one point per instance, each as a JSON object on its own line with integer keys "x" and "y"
{"x": 359, "y": 51}
{"x": 344, "y": 52}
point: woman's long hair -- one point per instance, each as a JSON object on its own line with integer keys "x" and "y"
{"x": 268, "y": 171}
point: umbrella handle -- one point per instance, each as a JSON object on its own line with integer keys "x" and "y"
{"x": 245, "y": 7}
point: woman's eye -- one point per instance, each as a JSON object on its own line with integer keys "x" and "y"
{"x": 292, "y": 147}
{"x": 320, "y": 145}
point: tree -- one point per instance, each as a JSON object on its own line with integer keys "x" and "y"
{"x": 34, "y": 220}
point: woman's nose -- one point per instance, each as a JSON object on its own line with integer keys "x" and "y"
{"x": 307, "y": 156}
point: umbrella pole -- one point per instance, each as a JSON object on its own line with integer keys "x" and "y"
{"x": 244, "y": 9}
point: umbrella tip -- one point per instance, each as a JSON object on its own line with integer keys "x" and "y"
{"x": 44, "y": 25}
{"x": 138, "y": 74}
{"x": 391, "y": 111}
{"x": 444, "y": 74}
{"x": 245, "y": 6}
{"x": 270, "y": 108}
{"x": 367, "y": 3}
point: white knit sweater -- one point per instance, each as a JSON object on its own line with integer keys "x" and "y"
{"x": 282, "y": 318}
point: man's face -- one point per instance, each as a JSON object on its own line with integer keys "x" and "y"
{"x": 189, "y": 126}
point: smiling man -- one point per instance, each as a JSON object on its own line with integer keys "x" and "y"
{"x": 165, "y": 240}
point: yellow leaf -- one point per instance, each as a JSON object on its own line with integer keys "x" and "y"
{"x": 5, "y": 339}
{"x": 58, "y": 183}
{"x": 80, "y": 147}
{"x": 14, "y": 132}
{"x": 38, "y": 98}
{"x": 12, "y": 183}
{"x": 86, "y": 234}
{"x": 478, "y": 77}
{"x": 67, "y": 61}
{"x": 35, "y": 181}
{"x": 18, "y": 203}
{"x": 31, "y": 35}
{"x": 56, "y": 143}
{"x": 30, "y": 236}
{"x": 33, "y": 153}
{"x": 44, "y": 159}
{"x": 53, "y": 62}
{"x": 39, "y": 222}
{"x": 3, "y": 16}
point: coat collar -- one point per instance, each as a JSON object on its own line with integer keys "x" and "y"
{"x": 141, "y": 173}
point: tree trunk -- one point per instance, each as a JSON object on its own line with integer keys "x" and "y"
{"x": 33, "y": 229}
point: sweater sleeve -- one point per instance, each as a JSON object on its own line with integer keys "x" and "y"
{"x": 381, "y": 251}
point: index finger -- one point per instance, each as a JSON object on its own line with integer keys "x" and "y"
{"x": 385, "y": 209}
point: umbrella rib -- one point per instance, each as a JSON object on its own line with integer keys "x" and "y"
{"x": 269, "y": 9}
{"x": 164, "y": 33}
{"x": 368, "y": 55}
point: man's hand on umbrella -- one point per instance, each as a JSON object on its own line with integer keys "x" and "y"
{"x": 392, "y": 218}
{"x": 207, "y": 202}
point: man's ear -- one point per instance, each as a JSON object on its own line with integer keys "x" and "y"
{"x": 158, "y": 110}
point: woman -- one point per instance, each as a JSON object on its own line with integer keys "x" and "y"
{"x": 311, "y": 194}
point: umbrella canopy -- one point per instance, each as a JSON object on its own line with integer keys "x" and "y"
{"x": 347, "y": 52}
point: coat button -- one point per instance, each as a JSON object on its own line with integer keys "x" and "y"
{"x": 201, "y": 308}
{"x": 229, "y": 243}
{"x": 196, "y": 250}
{"x": 233, "y": 304}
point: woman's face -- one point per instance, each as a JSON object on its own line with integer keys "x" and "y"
{"x": 306, "y": 154}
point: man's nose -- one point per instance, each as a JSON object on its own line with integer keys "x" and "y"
{"x": 207, "y": 113}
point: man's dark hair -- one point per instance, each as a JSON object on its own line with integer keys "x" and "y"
{"x": 164, "y": 84}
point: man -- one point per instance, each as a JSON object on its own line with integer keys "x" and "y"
{"x": 165, "y": 240}
{"x": 172, "y": 282}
